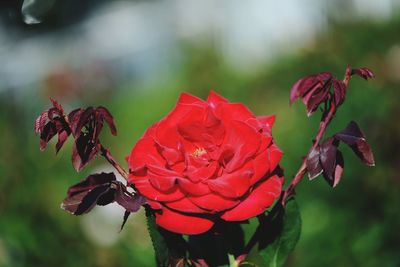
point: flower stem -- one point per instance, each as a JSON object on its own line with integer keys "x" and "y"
{"x": 107, "y": 155}
{"x": 326, "y": 119}
{"x": 303, "y": 168}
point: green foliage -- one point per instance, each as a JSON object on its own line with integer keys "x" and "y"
{"x": 168, "y": 247}
{"x": 159, "y": 243}
{"x": 277, "y": 234}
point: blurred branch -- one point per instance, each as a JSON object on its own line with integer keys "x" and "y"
{"x": 107, "y": 155}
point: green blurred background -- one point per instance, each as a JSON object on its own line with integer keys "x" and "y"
{"x": 136, "y": 57}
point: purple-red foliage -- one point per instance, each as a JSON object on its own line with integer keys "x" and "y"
{"x": 85, "y": 126}
{"x": 317, "y": 89}
{"x": 101, "y": 189}
{"x": 325, "y": 89}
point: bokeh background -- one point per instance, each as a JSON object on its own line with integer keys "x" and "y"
{"x": 136, "y": 57}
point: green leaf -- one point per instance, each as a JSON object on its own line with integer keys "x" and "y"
{"x": 277, "y": 234}
{"x": 169, "y": 248}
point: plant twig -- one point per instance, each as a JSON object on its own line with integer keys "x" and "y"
{"x": 303, "y": 168}
{"x": 326, "y": 119}
{"x": 107, "y": 155}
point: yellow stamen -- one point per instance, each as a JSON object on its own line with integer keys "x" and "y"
{"x": 199, "y": 152}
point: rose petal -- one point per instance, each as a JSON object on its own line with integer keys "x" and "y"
{"x": 213, "y": 202}
{"x": 262, "y": 123}
{"x": 186, "y": 98}
{"x": 233, "y": 111}
{"x": 266, "y": 123}
{"x": 209, "y": 118}
{"x": 202, "y": 173}
{"x": 214, "y": 99}
{"x": 179, "y": 167}
{"x": 265, "y": 142}
{"x": 182, "y": 224}
{"x": 232, "y": 185}
{"x": 200, "y": 126}
{"x": 144, "y": 152}
{"x": 162, "y": 183}
{"x": 166, "y": 132}
{"x": 257, "y": 202}
{"x": 155, "y": 205}
{"x": 261, "y": 166}
{"x": 162, "y": 171}
{"x": 245, "y": 141}
{"x": 253, "y": 122}
{"x": 151, "y": 130}
{"x": 195, "y": 162}
{"x": 267, "y": 120}
{"x": 184, "y": 205}
{"x": 142, "y": 184}
{"x": 275, "y": 155}
{"x": 194, "y": 189}
{"x": 222, "y": 154}
{"x": 171, "y": 155}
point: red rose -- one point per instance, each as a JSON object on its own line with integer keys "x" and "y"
{"x": 204, "y": 161}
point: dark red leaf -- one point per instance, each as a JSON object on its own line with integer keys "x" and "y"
{"x": 316, "y": 97}
{"x": 91, "y": 182}
{"x": 335, "y": 177}
{"x": 313, "y": 164}
{"x": 62, "y": 137}
{"x": 301, "y": 87}
{"x": 84, "y": 124}
{"x": 48, "y": 132}
{"x": 332, "y": 161}
{"x": 82, "y": 197}
{"x": 53, "y": 113}
{"x": 130, "y": 202}
{"x": 364, "y": 152}
{"x": 84, "y": 202}
{"x": 60, "y": 124}
{"x": 92, "y": 119}
{"x": 338, "y": 168}
{"x": 83, "y": 151}
{"x": 97, "y": 129}
{"x": 304, "y": 85}
{"x": 317, "y": 88}
{"x": 63, "y": 131}
{"x": 350, "y": 134}
{"x": 50, "y": 123}
{"x": 328, "y": 153}
{"x": 313, "y": 90}
{"x": 106, "y": 115}
{"x": 73, "y": 118}
{"x": 339, "y": 92}
{"x": 107, "y": 198}
{"x": 84, "y": 119}
{"x": 355, "y": 138}
{"x": 363, "y": 72}
{"x": 40, "y": 122}
{"x": 57, "y": 106}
